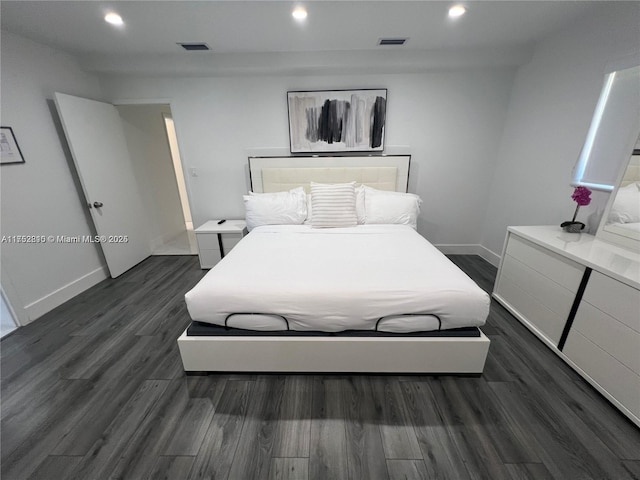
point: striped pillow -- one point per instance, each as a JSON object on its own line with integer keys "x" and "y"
{"x": 333, "y": 205}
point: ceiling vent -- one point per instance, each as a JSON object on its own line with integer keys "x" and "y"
{"x": 392, "y": 41}
{"x": 195, "y": 47}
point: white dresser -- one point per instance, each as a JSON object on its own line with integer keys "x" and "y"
{"x": 580, "y": 296}
{"x": 216, "y": 240}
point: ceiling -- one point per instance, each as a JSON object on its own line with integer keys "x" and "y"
{"x": 249, "y": 28}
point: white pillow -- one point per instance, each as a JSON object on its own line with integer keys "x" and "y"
{"x": 280, "y": 208}
{"x": 360, "y": 209}
{"x": 626, "y": 206}
{"x": 360, "y": 205}
{"x": 309, "y": 210}
{"x": 391, "y": 207}
{"x": 333, "y": 205}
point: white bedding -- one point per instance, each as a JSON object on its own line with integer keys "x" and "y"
{"x": 339, "y": 279}
{"x": 631, "y": 227}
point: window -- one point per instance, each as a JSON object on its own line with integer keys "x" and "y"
{"x": 613, "y": 132}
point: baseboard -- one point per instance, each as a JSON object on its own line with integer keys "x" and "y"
{"x": 471, "y": 249}
{"x": 58, "y": 297}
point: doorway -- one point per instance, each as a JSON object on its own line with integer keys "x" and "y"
{"x": 152, "y": 142}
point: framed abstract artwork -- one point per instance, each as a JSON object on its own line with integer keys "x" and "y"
{"x": 337, "y": 120}
{"x": 9, "y": 149}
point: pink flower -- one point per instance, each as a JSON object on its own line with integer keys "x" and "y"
{"x": 582, "y": 196}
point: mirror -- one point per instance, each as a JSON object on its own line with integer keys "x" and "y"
{"x": 622, "y": 215}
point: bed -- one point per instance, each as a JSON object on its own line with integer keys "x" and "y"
{"x": 365, "y": 298}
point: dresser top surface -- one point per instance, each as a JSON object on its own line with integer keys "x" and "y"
{"x": 618, "y": 262}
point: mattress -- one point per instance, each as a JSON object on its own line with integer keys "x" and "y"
{"x": 369, "y": 277}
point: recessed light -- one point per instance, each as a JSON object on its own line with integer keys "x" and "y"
{"x": 299, "y": 13}
{"x": 457, "y": 11}
{"x": 114, "y": 19}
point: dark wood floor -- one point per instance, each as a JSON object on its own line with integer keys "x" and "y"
{"x": 95, "y": 390}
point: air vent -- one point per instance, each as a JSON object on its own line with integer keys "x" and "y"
{"x": 195, "y": 47}
{"x": 392, "y": 41}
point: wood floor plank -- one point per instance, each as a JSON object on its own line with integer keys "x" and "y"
{"x": 112, "y": 391}
{"x": 56, "y": 467}
{"x": 485, "y": 412}
{"x": 151, "y": 437}
{"x": 481, "y": 458}
{"x": 328, "y": 456}
{"x": 563, "y": 453}
{"x": 221, "y": 440}
{"x": 34, "y": 447}
{"x": 407, "y": 470}
{"x": 191, "y": 427}
{"x": 365, "y": 453}
{"x": 293, "y": 428}
{"x": 30, "y": 420}
{"x": 289, "y": 469}
{"x": 633, "y": 467}
{"x": 607, "y": 423}
{"x": 208, "y": 386}
{"x": 104, "y": 454}
{"x": 36, "y": 381}
{"x": 551, "y": 402}
{"x": 398, "y": 436}
{"x": 254, "y": 450}
{"x": 529, "y": 471}
{"x": 438, "y": 441}
{"x": 170, "y": 468}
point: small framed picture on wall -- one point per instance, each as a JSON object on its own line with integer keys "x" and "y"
{"x": 9, "y": 149}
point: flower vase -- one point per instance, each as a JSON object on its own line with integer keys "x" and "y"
{"x": 572, "y": 226}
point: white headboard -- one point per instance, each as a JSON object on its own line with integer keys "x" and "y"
{"x": 273, "y": 174}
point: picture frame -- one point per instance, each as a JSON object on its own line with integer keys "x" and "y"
{"x": 337, "y": 120}
{"x": 9, "y": 149}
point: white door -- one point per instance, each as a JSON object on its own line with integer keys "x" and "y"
{"x": 98, "y": 146}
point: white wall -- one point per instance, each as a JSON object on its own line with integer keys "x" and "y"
{"x": 153, "y": 167}
{"x": 552, "y": 103}
{"x": 451, "y": 121}
{"x": 40, "y": 197}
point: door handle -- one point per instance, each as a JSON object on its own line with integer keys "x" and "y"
{"x": 98, "y": 204}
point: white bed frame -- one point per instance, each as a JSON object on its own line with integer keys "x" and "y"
{"x": 462, "y": 355}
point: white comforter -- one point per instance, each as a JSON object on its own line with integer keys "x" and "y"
{"x": 337, "y": 279}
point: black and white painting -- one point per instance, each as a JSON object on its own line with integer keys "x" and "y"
{"x": 337, "y": 120}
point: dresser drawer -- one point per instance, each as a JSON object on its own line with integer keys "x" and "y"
{"x": 538, "y": 298}
{"x": 615, "y": 299}
{"x": 611, "y": 375}
{"x": 230, "y": 240}
{"x": 207, "y": 241}
{"x": 550, "y": 265}
{"x": 209, "y": 258}
{"x": 614, "y": 337}
{"x": 533, "y": 310}
{"x": 553, "y": 296}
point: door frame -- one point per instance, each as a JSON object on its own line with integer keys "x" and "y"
{"x": 14, "y": 302}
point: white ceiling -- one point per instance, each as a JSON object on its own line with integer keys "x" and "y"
{"x": 247, "y": 28}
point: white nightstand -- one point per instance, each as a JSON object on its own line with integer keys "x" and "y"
{"x": 214, "y": 241}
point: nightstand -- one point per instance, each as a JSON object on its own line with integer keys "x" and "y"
{"x": 214, "y": 241}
